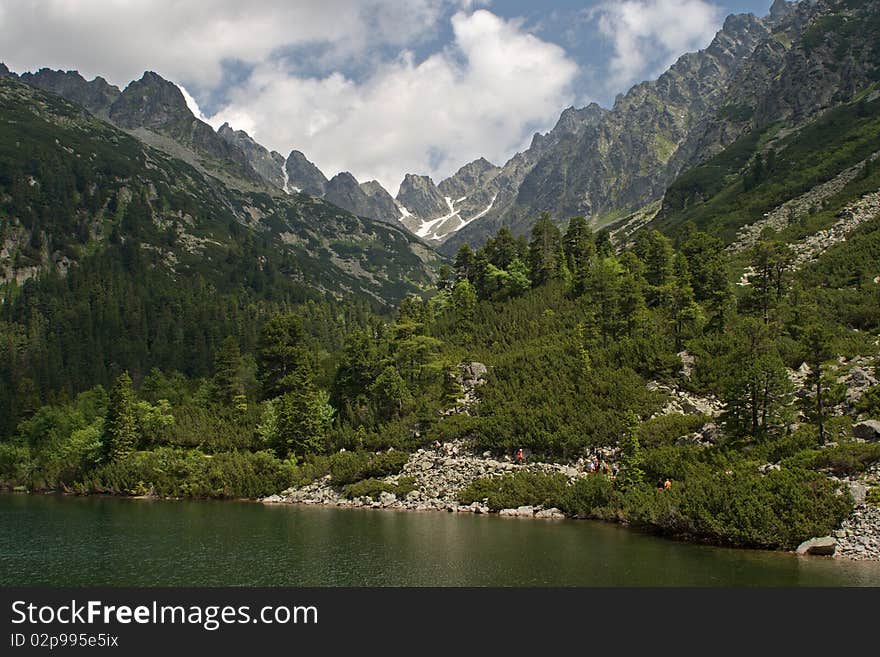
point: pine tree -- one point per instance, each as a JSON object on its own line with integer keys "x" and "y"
{"x": 121, "y": 432}
{"x": 580, "y": 248}
{"x": 282, "y": 356}
{"x": 389, "y": 393}
{"x": 757, "y": 390}
{"x": 303, "y": 416}
{"x": 228, "y": 372}
{"x": 451, "y": 390}
{"x": 546, "y": 257}
{"x": 464, "y": 300}
{"x": 817, "y": 341}
{"x": 464, "y": 263}
{"x": 501, "y": 250}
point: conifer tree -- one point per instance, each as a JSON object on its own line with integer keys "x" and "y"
{"x": 546, "y": 257}
{"x": 817, "y": 340}
{"x": 228, "y": 372}
{"x": 282, "y": 356}
{"x": 464, "y": 263}
{"x": 121, "y": 432}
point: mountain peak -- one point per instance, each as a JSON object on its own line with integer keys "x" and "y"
{"x": 96, "y": 96}
{"x": 150, "y": 102}
{"x": 420, "y": 196}
{"x": 4, "y": 70}
{"x": 303, "y": 175}
{"x": 780, "y": 10}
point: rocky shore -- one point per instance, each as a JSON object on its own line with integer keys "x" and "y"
{"x": 438, "y": 475}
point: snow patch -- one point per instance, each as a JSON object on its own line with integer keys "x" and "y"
{"x": 286, "y": 177}
{"x": 481, "y": 213}
{"x": 427, "y": 227}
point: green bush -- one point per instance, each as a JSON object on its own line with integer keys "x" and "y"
{"x": 519, "y": 489}
{"x": 368, "y": 488}
{"x": 588, "y": 495}
{"x": 778, "y": 448}
{"x": 663, "y": 430}
{"x": 843, "y": 460}
{"x": 169, "y": 472}
{"x": 741, "y": 507}
{"x": 314, "y": 466}
{"x": 14, "y": 464}
{"x": 373, "y": 487}
{"x": 349, "y": 467}
{"x": 668, "y": 461}
{"x": 453, "y": 427}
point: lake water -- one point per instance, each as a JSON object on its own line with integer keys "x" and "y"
{"x": 69, "y": 541}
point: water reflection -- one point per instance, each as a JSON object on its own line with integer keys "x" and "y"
{"x": 49, "y": 540}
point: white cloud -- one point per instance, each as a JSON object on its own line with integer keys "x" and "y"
{"x": 649, "y": 35}
{"x": 478, "y": 96}
{"x": 192, "y": 104}
{"x": 189, "y": 41}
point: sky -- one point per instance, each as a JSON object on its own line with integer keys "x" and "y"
{"x": 379, "y": 88}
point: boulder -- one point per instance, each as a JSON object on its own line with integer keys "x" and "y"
{"x": 867, "y": 430}
{"x": 823, "y": 546}
{"x": 525, "y": 511}
{"x": 507, "y": 512}
{"x": 858, "y": 490}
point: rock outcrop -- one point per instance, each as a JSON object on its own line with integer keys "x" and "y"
{"x": 859, "y": 536}
{"x": 420, "y": 196}
{"x": 303, "y": 176}
{"x": 269, "y": 164}
{"x": 867, "y": 430}
{"x": 370, "y": 200}
{"x": 96, "y": 96}
{"x": 824, "y": 546}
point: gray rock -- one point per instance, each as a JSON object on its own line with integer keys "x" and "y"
{"x": 304, "y": 175}
{"x": 858, "y": 490}
{"x": 525, "y": 511}
{"x": 823, "y": 546}
{"x": 867, "y": 430}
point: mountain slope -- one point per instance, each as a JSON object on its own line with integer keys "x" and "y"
{"x": 69, "y": 180}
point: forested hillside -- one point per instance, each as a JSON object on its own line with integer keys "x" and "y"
{"x": 116, "y": 256}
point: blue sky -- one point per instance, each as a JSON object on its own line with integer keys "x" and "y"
{"x": 376, "y": 87}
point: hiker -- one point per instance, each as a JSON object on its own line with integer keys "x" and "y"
{"x": 519, "y": 456}
{"x": 667, "y": 484}
{"x": 660, "y": 484}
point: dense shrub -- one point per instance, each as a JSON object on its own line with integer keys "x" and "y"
{"x": 742, "y": 507}
{"x": 588, "y": 495}
{"x": 843, "y": 460}
{"x": 519, "y": 489}
{"x": 14, "y": 461}
{"x": 313, "y": 467}
{"x": 169, "y": 472}
{"x": 664, "y": 429}
{"x": 349, "y": 467}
